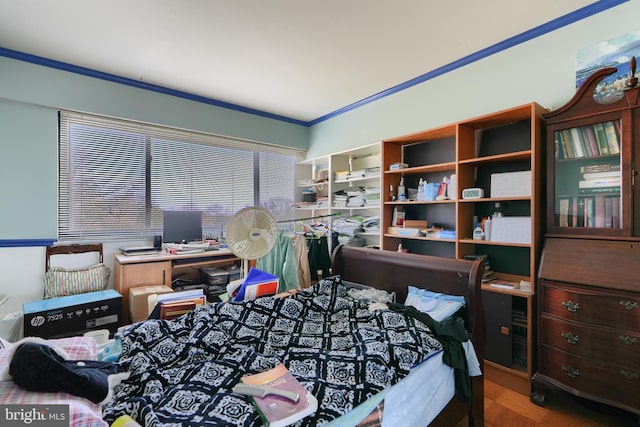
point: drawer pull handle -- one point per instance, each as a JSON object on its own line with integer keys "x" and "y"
{"x": 571, "y": 306}
{"x": 630, "y": 375}
{"x": 629, "y": 305}
{"x": 628, "y": 340}
{"x": 570, "y": 338}
{"x": 570, "y": 371}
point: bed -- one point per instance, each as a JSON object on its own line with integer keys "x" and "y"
{"x": 182, "y": 371}
{"x": 382, "y": 269}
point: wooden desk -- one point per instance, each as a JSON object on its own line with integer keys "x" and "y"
{"x": 161, "y": 269}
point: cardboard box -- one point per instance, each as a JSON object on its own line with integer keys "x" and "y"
{"x": 73, "y": 315}
{"x": 138, "y": 300}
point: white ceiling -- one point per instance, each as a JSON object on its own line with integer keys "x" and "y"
{"x": 301, "y": 59}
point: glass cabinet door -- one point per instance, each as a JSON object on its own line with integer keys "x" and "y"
{"x": 588, "y": 178}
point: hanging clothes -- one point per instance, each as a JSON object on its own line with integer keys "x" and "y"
{"x": 281, "y": 262}
{"x": 319, "y": 258}
{"x": 302, "y": 259}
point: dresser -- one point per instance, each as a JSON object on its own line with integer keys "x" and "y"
{"x": 589, "y": 321}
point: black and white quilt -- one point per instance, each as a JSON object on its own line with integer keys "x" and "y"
{"x": 182, "y": 371}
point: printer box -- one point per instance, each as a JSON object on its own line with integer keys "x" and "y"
{"x": 73, "y": 315}
{"x": 139, "y": 300}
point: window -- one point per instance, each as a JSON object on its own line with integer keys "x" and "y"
{"x": 116, "y": 177}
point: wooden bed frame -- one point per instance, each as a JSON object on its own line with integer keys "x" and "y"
{"x": 394, "y": 272}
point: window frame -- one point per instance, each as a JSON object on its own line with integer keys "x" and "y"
{"x": 206, "y": 143}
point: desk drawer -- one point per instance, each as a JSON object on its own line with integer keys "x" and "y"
{"x": 607, "y": 381}
{"x": 616, "y": 309}
{"x": 600, "y": 343}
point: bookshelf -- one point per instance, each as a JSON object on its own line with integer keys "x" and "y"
{"x": 347, "y": 185}
{"x": 468, "y": 153}
{"x": 588, "y": 293}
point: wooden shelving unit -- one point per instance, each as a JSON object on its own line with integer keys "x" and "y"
{"x": 335, "y": 166}
{"x": 473, "y": 150}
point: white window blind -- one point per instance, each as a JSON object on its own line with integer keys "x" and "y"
{"x": 116, "y": 177}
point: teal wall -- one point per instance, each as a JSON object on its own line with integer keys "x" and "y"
{"x": 28, "y": 171}
{"x": 540, "y": 70}
{"x": 30, "y": 96}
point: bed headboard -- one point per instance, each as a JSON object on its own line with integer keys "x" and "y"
{"x": 395, "y": 271}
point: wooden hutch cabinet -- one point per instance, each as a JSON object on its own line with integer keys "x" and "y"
{"x": 589, "y": 280}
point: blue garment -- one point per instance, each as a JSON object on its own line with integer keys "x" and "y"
{"x": 281, "y": 262}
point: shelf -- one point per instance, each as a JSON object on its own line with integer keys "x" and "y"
{"x": 431, "y": 202}
{"x": 314, "y": 184}
{"x": 441, "y": 167}
{"x": 311, "y": 208}
{"x": 468, "y": 241}
{"x": 495, "y": 199}
{"x": 425, "y": 238}
{"x": 514, "y": 292}
{"x": 361, "y": 178}
{"x": 506, "y": 157}
{"x": 354, "y": 208}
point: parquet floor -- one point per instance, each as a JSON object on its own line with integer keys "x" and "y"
{"x": 507, "y": 408}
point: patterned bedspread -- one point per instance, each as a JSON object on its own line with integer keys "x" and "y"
{"x": 182, "y": 371}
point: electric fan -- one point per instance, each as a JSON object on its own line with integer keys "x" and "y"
{"x": 251, "y": 234}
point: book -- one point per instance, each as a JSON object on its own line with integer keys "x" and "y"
{"x": 606, "y": 167}
{"x": 615, "y": 215}
{"x": 591, "y": 137}
{"x": 601, "y": 175}
{"x": 612, "y": 138}
{"x": 566, "y": 138}
{"x": 257, "y": 284}
{"x": 596, "y": 183}
{"x": 170, "y": 305}
{"x": 563, "y": 208}
{"x": 599, "y": 211}
{"x": 278, "y": 411}
{"x": 560, "y": 150}
{"x": 585, "y": 142}
{"x": 608, "y": 212}
{"x": 600, "y": 190}
{"x": 505, "y": 284}
{"x": 173, "y": 309}
{"x": 578, "y": 144}
{"x": 601, "y": 138}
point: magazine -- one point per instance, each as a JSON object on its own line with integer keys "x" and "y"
{"x": 276, "y": 410}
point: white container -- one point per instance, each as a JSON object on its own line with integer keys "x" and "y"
{"x": 511, "y": 184}
{"x": 487, "y": 229}
{"x": 452, "y": 188}
{"x": 511, "y": 229}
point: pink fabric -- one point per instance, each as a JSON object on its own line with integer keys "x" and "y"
{"x": 83, "y": 413}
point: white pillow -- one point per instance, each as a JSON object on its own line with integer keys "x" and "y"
{"x": 437, "y": 305}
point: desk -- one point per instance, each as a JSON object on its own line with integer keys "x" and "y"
{"x": 161, "y": 269}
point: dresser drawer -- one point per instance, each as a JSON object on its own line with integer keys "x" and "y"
{"x": 595, "y": 342}
{"x": 609, "y": 381}
{"x": 616, "y": 309}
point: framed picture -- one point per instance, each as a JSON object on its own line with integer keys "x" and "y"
{"x": 616, "y": 53}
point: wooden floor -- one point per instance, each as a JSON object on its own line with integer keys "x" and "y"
{"x": 504, "y": 407}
